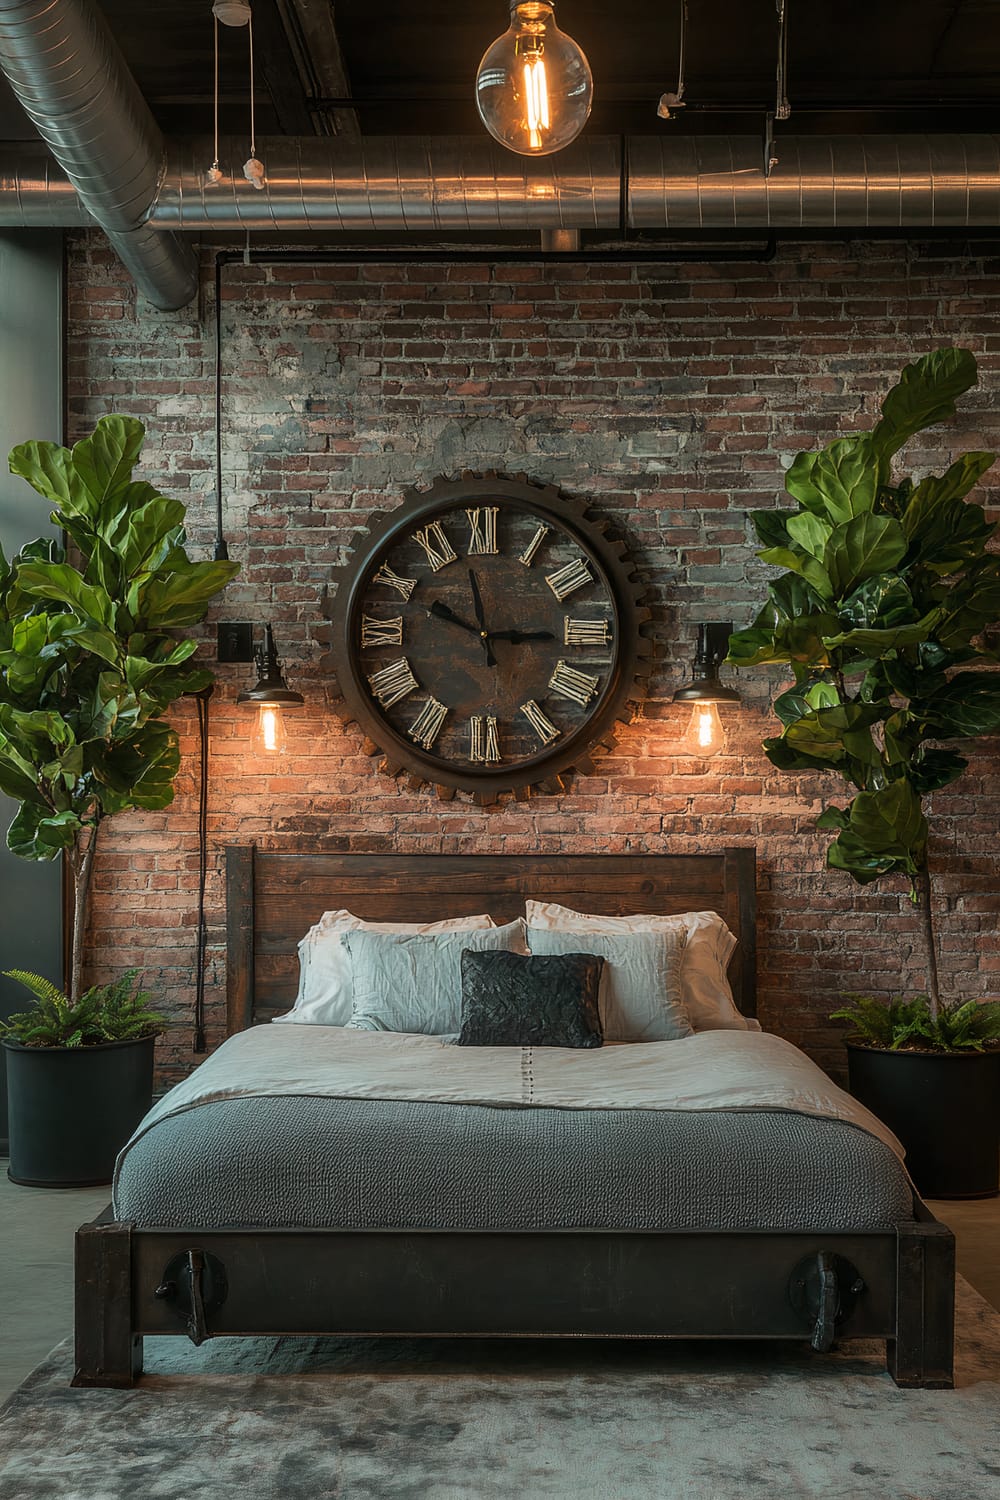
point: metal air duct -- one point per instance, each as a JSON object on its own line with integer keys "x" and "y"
{"x": 65, "y": 68}
{"x": 708, "y": 184}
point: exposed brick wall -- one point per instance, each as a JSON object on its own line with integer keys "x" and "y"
{"x": 674, "y": 395}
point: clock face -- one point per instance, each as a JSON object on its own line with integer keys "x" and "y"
{"x": 483, "y": 631}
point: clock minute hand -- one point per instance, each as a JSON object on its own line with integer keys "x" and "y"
{"x": 477, "y": 601}
{"x": 517, "y": 636}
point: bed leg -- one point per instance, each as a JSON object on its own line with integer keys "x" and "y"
{"x": 108, "y": 1353}
{"x": 922, "y": 1352}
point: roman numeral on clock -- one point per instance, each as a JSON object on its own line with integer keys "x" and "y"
{"x": 427, "y": 725}
{"x": 586, "y": 632}
{"x": 528, "y": 555}
{"x": 393, "y": 682}
{"x": 573, "y": 576}
{"x": 484, "y": 739}
{"x": 483, "y": 529}
{"x": 540, "y": 723}
{"x": 569, "y": 683}
{"x": 375, "y": 632}
{"x": 436, "y": 545}
{"x": 404, "y": 586}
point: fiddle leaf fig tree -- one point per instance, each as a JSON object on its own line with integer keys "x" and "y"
{"x": 90, "y": 655}
{"x": 887, "y": 586}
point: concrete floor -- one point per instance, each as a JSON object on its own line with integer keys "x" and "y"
{"x": 36, "y": 1255}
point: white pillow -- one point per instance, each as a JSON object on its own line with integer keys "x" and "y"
{"x": 640, "y": 995}
{"x": 705, "y": 989}
{"x": 326, "y": 988}
{"x": 413, "y": 981}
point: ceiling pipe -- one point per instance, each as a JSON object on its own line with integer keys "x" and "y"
{"x": 65, "y": 67}
{"x": 709, "y": 184}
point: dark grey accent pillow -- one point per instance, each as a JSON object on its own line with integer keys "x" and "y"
{"x": 512, "y": 1000}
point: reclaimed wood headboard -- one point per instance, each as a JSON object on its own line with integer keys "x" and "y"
{"x": 272, "y": 899}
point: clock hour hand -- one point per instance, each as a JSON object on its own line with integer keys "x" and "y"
{"x": 441, "y": 611}
{"x": 517, "y": 636}
{"x": 477, "y": 601}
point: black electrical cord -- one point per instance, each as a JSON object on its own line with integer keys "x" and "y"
{"x": 202, "y": 930}
{"x": 221, "y": 549}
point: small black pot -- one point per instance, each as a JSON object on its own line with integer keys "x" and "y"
{"x": 945, "y": 1109}
{"x": 73, "y": 1108}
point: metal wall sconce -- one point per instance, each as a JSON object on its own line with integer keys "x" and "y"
{"x": 705, "y": 733}
{"x": 270, "y": 695}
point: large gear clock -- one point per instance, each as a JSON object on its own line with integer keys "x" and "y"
{"x": 487, "y": 635}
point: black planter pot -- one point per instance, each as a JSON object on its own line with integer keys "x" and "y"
{"x": 945, "y": 1109}
{"x": 73, "y": 1108}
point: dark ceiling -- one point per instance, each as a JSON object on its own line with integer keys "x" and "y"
{"x": 854, "y": 65}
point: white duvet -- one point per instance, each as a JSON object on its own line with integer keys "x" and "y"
{"x": 713, "y": 1070}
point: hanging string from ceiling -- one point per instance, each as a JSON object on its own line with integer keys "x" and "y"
{"x": 670, "y": 103}
{"x": 236, "y": 13}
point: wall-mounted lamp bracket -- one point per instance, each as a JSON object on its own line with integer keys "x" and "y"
{"x": 234, "y": 641}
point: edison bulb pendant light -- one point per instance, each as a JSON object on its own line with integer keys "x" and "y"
{"x": 534, "y": 87}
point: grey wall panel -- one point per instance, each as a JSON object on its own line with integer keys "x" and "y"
{"x": 31, "y": 406}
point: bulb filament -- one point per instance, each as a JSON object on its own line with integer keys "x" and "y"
{"x": 536, "y": 98}
{"x": 269, "y": 728}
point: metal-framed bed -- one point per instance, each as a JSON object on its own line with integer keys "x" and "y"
{"x": 134, "y": 1280}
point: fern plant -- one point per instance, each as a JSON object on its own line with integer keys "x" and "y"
{"x": 117, "y": 1012}
{"x": 913, "y": 1025}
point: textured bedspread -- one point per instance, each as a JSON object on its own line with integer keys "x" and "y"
{"x": 322, "y": 1126}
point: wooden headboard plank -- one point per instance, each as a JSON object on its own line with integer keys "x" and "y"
{"x": 273, "y": 898}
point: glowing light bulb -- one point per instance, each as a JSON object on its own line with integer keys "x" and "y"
{"x": 705, "y": 735}
{"x": 534, "y": 88}
{"x": 270, "y": 737}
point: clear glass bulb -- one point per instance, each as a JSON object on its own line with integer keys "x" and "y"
{"x": 269, "y": 734}
{"x": 534, "y": 87}
{"x": 705, "y": 735}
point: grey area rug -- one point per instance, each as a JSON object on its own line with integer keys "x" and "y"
{"x": 459, "y": 1420}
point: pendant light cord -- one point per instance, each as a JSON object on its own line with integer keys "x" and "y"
{"x": 215, "y": 97}
{"x": 202, "y": 930}
{"x": 782, "y": 108}
{"x": 681, "y": 48}
{"x": 253, "y": 107}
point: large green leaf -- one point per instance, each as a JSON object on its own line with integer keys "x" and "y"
{"x": 138, "y": 540}
{"x": 925, "y": 394}
{"x": 39, "y": 835}
{"x": 832, "y": 734}
{"x": 771, "y": 526}
{"x": 800, "y": 562}
{"x": 810, "y": 532}
{"x": 878, "y": 603}
{"x": 803, "y": 699}
{"x": 876, "y": 643}
{"x": 104, "y": 461}
{"x": 62, "y": 582}
{"x": 933, "y": 767}
{"x": 839, "y": 482}
{"x": 181, "y": 596}
{"x": 17, "y": 777}
{"x": 861, "y": 548}
{"x": 886, "y": 831}
{"x": 49, "y": 469}
{"x": 943, "y": 530}
{"x": 142, "y": 768}
{"x": 967, "y": 705}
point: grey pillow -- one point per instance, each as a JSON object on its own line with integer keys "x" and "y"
{"x": 513, "y": 1000}
{"x": 640, "y": 989}
{"x": 413, "y": 982}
